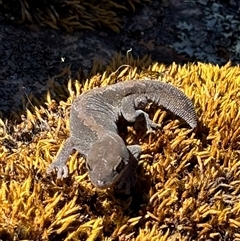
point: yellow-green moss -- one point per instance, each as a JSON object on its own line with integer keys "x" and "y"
{"x": 189, "y": 182}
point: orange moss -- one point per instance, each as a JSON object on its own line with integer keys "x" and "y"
{"x": 188, "y": 187}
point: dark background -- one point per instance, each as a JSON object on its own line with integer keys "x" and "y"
{"x": 170, "y": 31}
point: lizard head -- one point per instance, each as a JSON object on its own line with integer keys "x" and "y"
{"x": 107, "y": 160}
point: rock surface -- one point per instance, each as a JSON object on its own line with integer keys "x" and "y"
{"x": 180, "y": 31}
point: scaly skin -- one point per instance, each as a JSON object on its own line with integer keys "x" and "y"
{"x": 94, "y": 133}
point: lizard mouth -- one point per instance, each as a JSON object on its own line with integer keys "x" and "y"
{"x": 102, "y": 184}
{"x": 105, "y": 183}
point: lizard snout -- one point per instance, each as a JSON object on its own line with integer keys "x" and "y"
{"x": 101, "y": 184}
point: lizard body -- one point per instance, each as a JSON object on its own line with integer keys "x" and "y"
{"x": 94, "y": 132}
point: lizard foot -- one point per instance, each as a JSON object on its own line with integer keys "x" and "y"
{"x": 62, "y": 170}
{"x": 152, "y": 125}
{"x": 144, "y": 120}
{"x": 128, "y": 182}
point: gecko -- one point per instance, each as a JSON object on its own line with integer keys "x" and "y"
{"x": 94, "y": 133}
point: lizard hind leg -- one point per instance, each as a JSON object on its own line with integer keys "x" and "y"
{"x": 132, "y": 112}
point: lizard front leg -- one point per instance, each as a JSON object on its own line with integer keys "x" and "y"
{"x": 129, "y": 177}
{"x": 61, "y": 159}
{"x": 131, "y": 111}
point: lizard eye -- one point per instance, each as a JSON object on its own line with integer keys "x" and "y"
{"x": 119, "y": 167}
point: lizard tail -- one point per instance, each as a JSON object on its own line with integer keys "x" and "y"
{"x": 173, "y": 99}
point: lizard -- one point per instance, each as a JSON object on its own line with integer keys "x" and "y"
{"x": 94, "y": 132}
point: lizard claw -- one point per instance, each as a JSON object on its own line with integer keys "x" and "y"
{"x": 62, "y": 170}
{"x": 152, "y": 125}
